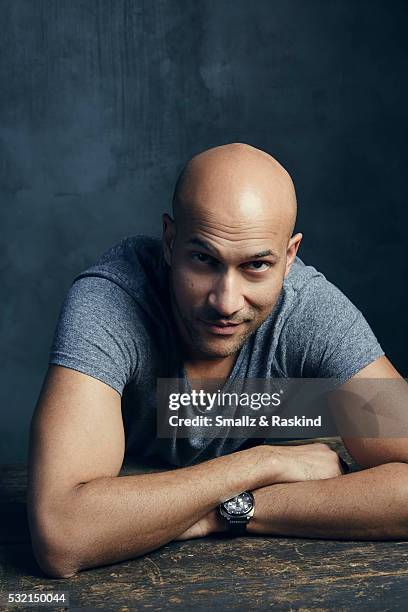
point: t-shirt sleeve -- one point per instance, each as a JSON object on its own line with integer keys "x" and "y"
{"x": 329, "y": 335}
{"x": 98, "y": 332}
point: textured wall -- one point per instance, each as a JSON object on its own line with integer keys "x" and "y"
{"x": 102, "y": 101}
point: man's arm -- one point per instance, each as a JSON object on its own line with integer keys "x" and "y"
{"x": 81, "y": 514}
{"x": 369, "y": 504}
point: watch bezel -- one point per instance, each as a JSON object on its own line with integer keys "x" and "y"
{"x": 228, "y": 515}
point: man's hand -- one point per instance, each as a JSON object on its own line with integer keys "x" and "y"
{"x": 210, "y": 523}
{"x": 305, "y": 462}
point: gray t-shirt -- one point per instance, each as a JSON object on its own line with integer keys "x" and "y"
{"x": 116, "y": 325}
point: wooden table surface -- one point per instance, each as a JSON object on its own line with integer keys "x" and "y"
{"x": 244, "y": 574}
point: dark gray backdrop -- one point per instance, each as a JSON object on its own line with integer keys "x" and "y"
{"x": 102, "y": 101}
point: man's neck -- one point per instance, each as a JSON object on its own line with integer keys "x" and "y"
{"x": 210, "y": 368}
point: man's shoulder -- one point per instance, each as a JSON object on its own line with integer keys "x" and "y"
{"x": 107, "y": 319}
{"x": 310, "y": 304}
{"x": 320, "y": 331}
{"x": 306, "y": 287}
{"x": 133, "y": 263}
{"x": 301, "y": 276}
{"x": 307, "y": 302}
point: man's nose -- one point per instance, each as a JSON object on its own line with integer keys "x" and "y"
{"x": 226, "y": 295}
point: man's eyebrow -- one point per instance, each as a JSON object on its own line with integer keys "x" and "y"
{"x": 205, "y": 245}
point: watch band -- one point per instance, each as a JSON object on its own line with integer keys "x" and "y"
{"x": 345, "y": 466}
{"x": 238, "y": 525}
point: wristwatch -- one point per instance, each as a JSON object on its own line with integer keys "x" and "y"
{"x": 238, "y": 511}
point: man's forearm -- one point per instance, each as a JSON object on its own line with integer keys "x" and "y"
{"x": 113, "y": 519}
{"x": 370, "y": 504}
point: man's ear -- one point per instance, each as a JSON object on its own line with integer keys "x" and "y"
{"x": 169, "y": 232}
{"x": 293, "y": 246}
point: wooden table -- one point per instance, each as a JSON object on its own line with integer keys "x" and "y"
{"x": 244, "y": 574}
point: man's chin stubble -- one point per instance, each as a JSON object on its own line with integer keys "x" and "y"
{"x": 210, "y": 351}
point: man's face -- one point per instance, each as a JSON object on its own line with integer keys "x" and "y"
{"x": 224, "y": 283}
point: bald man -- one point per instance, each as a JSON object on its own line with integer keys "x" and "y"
{"x": 223, "y": 296}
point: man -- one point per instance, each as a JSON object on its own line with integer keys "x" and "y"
{"x": 226, "y": 297}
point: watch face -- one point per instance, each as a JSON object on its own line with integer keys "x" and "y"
{"x": 239, "y": 505}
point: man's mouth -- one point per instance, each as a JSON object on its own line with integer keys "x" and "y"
{"x": 221, "y": 328}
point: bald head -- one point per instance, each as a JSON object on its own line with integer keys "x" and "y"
{"x": 239, "y": 184}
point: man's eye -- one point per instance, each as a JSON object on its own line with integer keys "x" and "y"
{"x": 253, "y": 266}
{"x": 257, "y": 265}
{"x": 201, "y": 257}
